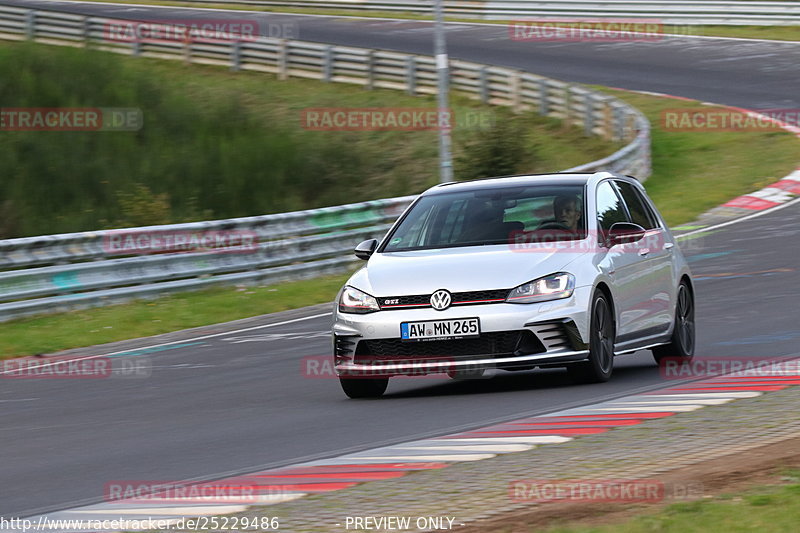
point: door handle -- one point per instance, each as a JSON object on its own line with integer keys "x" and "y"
{"x": 644, "y": 251}
{"x": 669, "y": 245}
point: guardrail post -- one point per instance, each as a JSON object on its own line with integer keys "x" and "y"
{"x": 515, "y": 85}
{"x": 136, "y": 47}
{"x": 544, "y": 98}
{"x": 370, "y": 65}
{"x": 85, "y": 27}
{"x": 187, "y": 48}
{"x": 30, "y": 24}
{"x": 483, "y": 84}
{"x": 283, "y": 53}
{"x": 411, "y": 75}
{"x": 567, "y": 105}
{"x": 608, "y": 123}
{"x": 588, "y": 119}
{"x": 236, "y": 55}
{"x": 327, "y": 64}
{"x": 619, "y": 122}
{"x": 630, "y": 122}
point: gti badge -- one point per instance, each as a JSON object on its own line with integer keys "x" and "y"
{"x": 440, "y": 300}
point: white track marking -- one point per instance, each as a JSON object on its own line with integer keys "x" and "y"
{"x": 137, "y": 509}
{"x": 656, "y": 403}
{"x": 731, "y": 395}
{"x": 534, "y": 439}
{"x": 467, "y": 447}
{"x": 646, "y": 409}
{"x": 748, "y": 217}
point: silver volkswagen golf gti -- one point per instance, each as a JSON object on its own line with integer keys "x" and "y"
{"x": 515, "y": 273}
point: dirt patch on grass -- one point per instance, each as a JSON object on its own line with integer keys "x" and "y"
{"x": 730, "y": 473}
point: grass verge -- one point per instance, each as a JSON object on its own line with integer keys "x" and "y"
{"x": 771, "y": 508}
{"x": 779, "y": 33}
{"x": 694, "y": 171}
{"x": 143, "y": 318}
{"x": 217, "y": 144}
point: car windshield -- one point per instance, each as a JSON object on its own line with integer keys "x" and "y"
{"x": 542, "y": 213}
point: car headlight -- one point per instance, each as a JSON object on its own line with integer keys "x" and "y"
{"x": 353, "y": 300}
{"x": 552, "y": 287}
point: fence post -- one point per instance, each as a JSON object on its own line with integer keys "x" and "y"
{"x": 567, "y": 105}
{"x": 85, "y": 27}
{"x": 588, "y": 111}
{"x": 236, "y": 55}
{"x": 283, "y": 60}
{"x": 483, "y": 84}
{"x": 630, "y": 119}
{"x": 327, "y": 64}
{"x": 370, "y": 60}
{"x": 30, "y": 24}
{"x": 619, "y": 122}
{"x": 608, "y": 123}
{"x": 411, "y": 75}
{"x": 187, "y": 48}
{"x": 516, "y": 91}
{"x": 544, "y": 98}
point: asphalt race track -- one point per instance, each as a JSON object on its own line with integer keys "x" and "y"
{"x": 240, "y": 401}
{"x": 746, "y": 73}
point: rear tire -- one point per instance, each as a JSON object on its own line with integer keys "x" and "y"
{"x": 364, "y": 387}
{"x": 681, "y": 344}
{"x": 600, "y": 365}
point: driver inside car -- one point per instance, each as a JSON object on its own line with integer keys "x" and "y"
{"x": 566, "y": 212}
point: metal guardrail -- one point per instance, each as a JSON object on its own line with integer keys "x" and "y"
{"x": 54, "y": 273}
{"x": 730, "y": 12}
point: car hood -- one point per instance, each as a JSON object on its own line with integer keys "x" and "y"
{"x": 461, "y": 269}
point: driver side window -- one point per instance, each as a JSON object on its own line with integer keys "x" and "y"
{"x": 609, "y": 207}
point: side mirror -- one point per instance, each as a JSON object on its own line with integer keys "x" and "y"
{"x": 366, "y": 249}
{"x": 624, "y": 233}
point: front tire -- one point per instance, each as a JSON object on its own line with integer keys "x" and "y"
{"x": 364, "y": 387}
{"x": 681, "y": 344}
{"x": 600, "y": 365}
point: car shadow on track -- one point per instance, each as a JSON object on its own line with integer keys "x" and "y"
{"x": 630, "y": 375}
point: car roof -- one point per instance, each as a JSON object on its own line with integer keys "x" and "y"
{"x": 522, "y": 180}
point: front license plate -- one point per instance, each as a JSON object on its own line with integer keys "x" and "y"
{"x": 458, "y": 328}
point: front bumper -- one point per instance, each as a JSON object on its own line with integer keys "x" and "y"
{"x": 513, "y": 337}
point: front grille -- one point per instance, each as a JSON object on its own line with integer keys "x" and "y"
{"x": 500, "y": 343}
{"x": 459, "y": 298}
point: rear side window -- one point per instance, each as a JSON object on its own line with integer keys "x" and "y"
{"x": 610, "y": 209}
{"x": 637, "y": 206}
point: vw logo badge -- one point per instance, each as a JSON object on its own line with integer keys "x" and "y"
{"x": 440, "y": 300}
